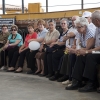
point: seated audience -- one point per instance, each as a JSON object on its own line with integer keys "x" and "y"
{"x": 30, "y": 56}
{"x": 14, "y": 42}
{"x": 21, "y": 52}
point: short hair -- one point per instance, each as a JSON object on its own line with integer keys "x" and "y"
{"x": 96, "y": 14}
{"x": 14, "y": 26}
{"x": 30, "y": 25}
{"x": 41, "y": 21}
{"x": 64, "y": 19}
{"x": 82, "y": 21}
{"x": 52, "y": 20}
{"x": 4, "y": 26}
{"x": 75, "y": 17}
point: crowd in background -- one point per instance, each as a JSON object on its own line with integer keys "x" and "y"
{"x": 65, "y": 55}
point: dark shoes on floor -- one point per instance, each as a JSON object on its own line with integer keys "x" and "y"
{"x": 89, "y": 87}
{"x": 75, "y": 85}
{"x": 30, "y": 72}
{"x": 98, "y": 90}
{"x": 64, "y": 78}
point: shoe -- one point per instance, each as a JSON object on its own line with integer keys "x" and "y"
{"x": 30, "y": 72}
{"x": 64, "y": 78}
{"x": 10, "y": 70}
{"x": 36, "y": 73}
{"x": 3, "y": 68}
{"x": 66, "y": 82}
{"x": 87, "y": 88}
{"x": 98, "y": 90}
{"x": 41, "y": 75}
{"x": 49, "y": 75}
{"x": 75, "y": 85}
{"x": 18, "y": 71}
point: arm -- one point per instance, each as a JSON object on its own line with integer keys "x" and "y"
{"x": 14, "y": 44}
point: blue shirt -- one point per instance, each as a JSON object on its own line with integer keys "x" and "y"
{"x": 17, "y": 37}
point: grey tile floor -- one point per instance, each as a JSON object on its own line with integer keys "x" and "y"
{"x": 30, "y": 87}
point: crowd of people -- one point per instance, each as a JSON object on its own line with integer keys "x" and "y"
{"x": 64, "y": 56}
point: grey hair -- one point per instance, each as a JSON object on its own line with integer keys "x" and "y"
{"x": 64, "y": 19}
{"x": 52, "y": 20}
{"x": 82, "y": 21}
{"x": 96, "y": 14}
{"x": 75, "y": 17}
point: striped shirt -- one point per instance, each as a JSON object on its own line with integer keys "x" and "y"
{"x": 90, "y": 33}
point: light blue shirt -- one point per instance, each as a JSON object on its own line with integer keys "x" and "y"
{"x": 17, "y": 37}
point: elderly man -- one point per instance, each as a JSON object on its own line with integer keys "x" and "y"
{"x": 86, "y": 40}
{"x": 93, "y": 60}
{"x": 88, "y": 62}
{"x": 87, "y": 15}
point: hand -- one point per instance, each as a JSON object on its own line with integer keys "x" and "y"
{"x": 74, "y": 46}
{"x": 82, "y": 52}
{"x": 20, "y": 50}
{"x": 30, "y": 40}
{"x": 5, "y": 47}
{"x": 52, "y": 44}
{"x": 71, "y": 50}
{"x": 65, "y": 38}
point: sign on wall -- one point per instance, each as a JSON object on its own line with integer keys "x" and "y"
{"x": 7, "y": 21}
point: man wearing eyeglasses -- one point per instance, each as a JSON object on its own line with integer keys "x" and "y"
{"x": 3, "y": 38}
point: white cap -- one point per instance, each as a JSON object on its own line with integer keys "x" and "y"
{"x": 86, "y": 14}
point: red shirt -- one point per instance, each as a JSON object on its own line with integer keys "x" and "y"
{"x": 28, "y": 37}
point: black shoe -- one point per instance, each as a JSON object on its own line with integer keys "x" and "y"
{"x": 30, "y": 72}
{"x": 87, "y": 88}
{"x": 41, "y": 75}
{"x": 64, "y": 78}
{"x": 98, "y": 90}
{"x": 36, "y": 73}
{"x": 75, "y": 85}
{"x": 49, "y": 75}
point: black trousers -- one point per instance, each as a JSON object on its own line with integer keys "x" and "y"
{"x": 49, "y": 63}
{"x": 56, "y": 57}
{"x": 31, "y": 60}
{"x": 9, "y": 53}
{"x": 68, "y": 65}
{"x": 21, "y": 56}
{"x": 79, "y": 67}
{"x": 90, "y": 70}
{"x": 45, "y": 64}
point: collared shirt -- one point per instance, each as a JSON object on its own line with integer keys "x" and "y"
{"x": 73, "y": 30}
{"x": 51, "y": 36}
{"x": 97, "y": 37}
{"x": 91, "y": 25}
{"x": 4, "y": 38}
{"x": 17, "y": 37}
{"x": 42, "y": 34}
{"x": 90, "y": 33}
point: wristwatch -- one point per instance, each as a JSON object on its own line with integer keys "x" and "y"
{"x": 86, "y": 52}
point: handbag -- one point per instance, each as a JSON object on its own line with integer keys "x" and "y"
{"x": 55, "y": 48}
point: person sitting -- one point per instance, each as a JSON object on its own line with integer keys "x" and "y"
{"x": 86, "y": 40}
{"x": 53, "y": 58}
{"x": 3, "y": 39}
{"x": 50, "y": 37}
{"x": 13, "y": 44}
{"x": 21, "y": 52}
{"x": 30, "y": 56}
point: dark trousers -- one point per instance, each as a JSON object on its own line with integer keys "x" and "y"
{"x": 79, "y": 67}
{"x": 68, "y": 65}
{"x": 31, "y": 60}
{"x": 21, "y": 56}
{"x": 45, "y": 64}
{"x": 49, "y": 62}
{"x": 10, "y": 53}
{"x": 90, "y": 70}
{"x": 56, "y": 57}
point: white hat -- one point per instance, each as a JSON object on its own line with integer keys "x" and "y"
{"x": 86, "y": 14}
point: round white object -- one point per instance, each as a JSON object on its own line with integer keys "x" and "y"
{"x": 34, "y": 45}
